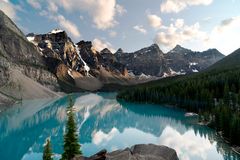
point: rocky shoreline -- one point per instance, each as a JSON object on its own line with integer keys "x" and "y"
{"x": 136, "y": 152}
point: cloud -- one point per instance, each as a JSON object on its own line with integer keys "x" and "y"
{"x": 228, "y": 23}
{"x": 99, "y": 136}
{"x": 226, "y": 31}
{"x": 100, "y": 45}
{"x": 52, "y": 14}
{"x": 103, "y": 12}
{"x": 191, "y": 35}
{"x": 120, "y": 10}
{"x": 52, "y": 7}
{"x": 182, "y": 143}
{"x": 67, "y": 25}
{"x": 169, "y": 6}
{"x": 140, "y": 29}
{"x": 35, "y": 4}
{"x": 207, "y": 18}
{"x": 9, "y": 9}
{"x": 112, "y": 34}
{"x": 154, "y": 21}
{"x": 179, "y": 33}
{"x": 179, "y": 23}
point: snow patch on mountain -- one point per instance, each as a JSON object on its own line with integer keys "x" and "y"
{"x": 144, "y": 76}
{"x": 193, "y": 63}
{"x": 56, "y": 31}
{"x": 30, "y": 38}
{"x": 131, "y": 74}
{"x": 195, "y": 70}
{"x": 86, "y": 67}
{"x": 165, "y": 75}
{"x": 172, "y": 72}
{"x": 70, "y": 73}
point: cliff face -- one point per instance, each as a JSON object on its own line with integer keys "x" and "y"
{"x": 78, "y": 66}
{"x": 147, "y": 61}
{"x": 16, "y": 53}
{"x": 183, "y": 60}
{"x": 179, "y": 61}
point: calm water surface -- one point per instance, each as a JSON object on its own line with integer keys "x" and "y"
{"x": 105, "y": 123}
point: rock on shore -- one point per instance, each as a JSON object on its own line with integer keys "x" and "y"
{"x": 136, "y": 152}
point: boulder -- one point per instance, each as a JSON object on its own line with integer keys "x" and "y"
{"x": 136, "y": 152}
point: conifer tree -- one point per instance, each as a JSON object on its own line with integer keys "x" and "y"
{"x": 71, "y": 144}
{"x": 47, "y": 152}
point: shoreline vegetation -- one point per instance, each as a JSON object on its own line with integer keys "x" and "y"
{"x": 214, "y": 95}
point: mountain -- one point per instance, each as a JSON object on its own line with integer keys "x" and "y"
{"x": 215, "y": 92}
{"x": 56, "y": 62}
{"x": 229, "y": 62}
{"x": 19, "y": 57}
{"x": 183, "y": 60}
{"x": 151, "y": 61}
{"x": 148, "y": 61}
{"x": 79, "y": 66}
{"x": 224, "y": 69}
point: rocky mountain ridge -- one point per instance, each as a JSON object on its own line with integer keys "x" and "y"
{"x": 79, "y": 66}
{"x": 185, "y": 61}
{"x": 17, "y": 54}
{"x": 144, "y": 63}
{"x": 152, "y": 61}
{"x": 54, "y": 61}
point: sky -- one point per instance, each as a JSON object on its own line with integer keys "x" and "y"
{"x": 134, "y": 24}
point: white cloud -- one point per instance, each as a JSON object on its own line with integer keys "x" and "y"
{"x": 191, "y": 35}
{"x": 182, "y": 143}
{"x": 140, "y": 28}
{"x": 99, "y": 136}
{"x": 179, "y": 23}
{"x": 67, "y": 25}
{"x": 51, "y": 13}
{"x": 207, "y": 18}
{"x": 226, "y": 32}
{"x": 43, "y": 13}
{"x": 169, "y": 6}
{"x": 112, "y": 34}
{"x": 100, "y": 45}
{"x": 35, "y": 4}
{"x": 120, "y": 10}
{"x": 52, "y": 7}
{"x": 103, "y": 12}
{"x": 154, "y": 21}
{"x": 179, "y": 33}
{"x": 9, "y": 9}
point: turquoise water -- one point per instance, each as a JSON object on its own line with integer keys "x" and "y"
{"x": 104, "y": 122}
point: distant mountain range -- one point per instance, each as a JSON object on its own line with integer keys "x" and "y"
{"x": 214, "y": 94}
{"x": 82, "y": 61}
{"x": 152, "y": 61}
{"x": 56, "y": 63}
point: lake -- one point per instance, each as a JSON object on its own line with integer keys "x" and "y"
{"x": 105, "y": 123}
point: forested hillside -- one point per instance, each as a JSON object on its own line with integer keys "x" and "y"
{"x": 214, "y": 93}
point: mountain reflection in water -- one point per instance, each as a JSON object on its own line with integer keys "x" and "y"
{"x": 104, "y": 122}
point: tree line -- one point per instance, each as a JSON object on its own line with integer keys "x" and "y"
{"x": 214, "y": 95}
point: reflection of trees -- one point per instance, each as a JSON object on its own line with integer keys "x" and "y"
{"x": 177, "y": 118}
{"x": 16, "y": 143}
{"x": 45, "y": 122}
